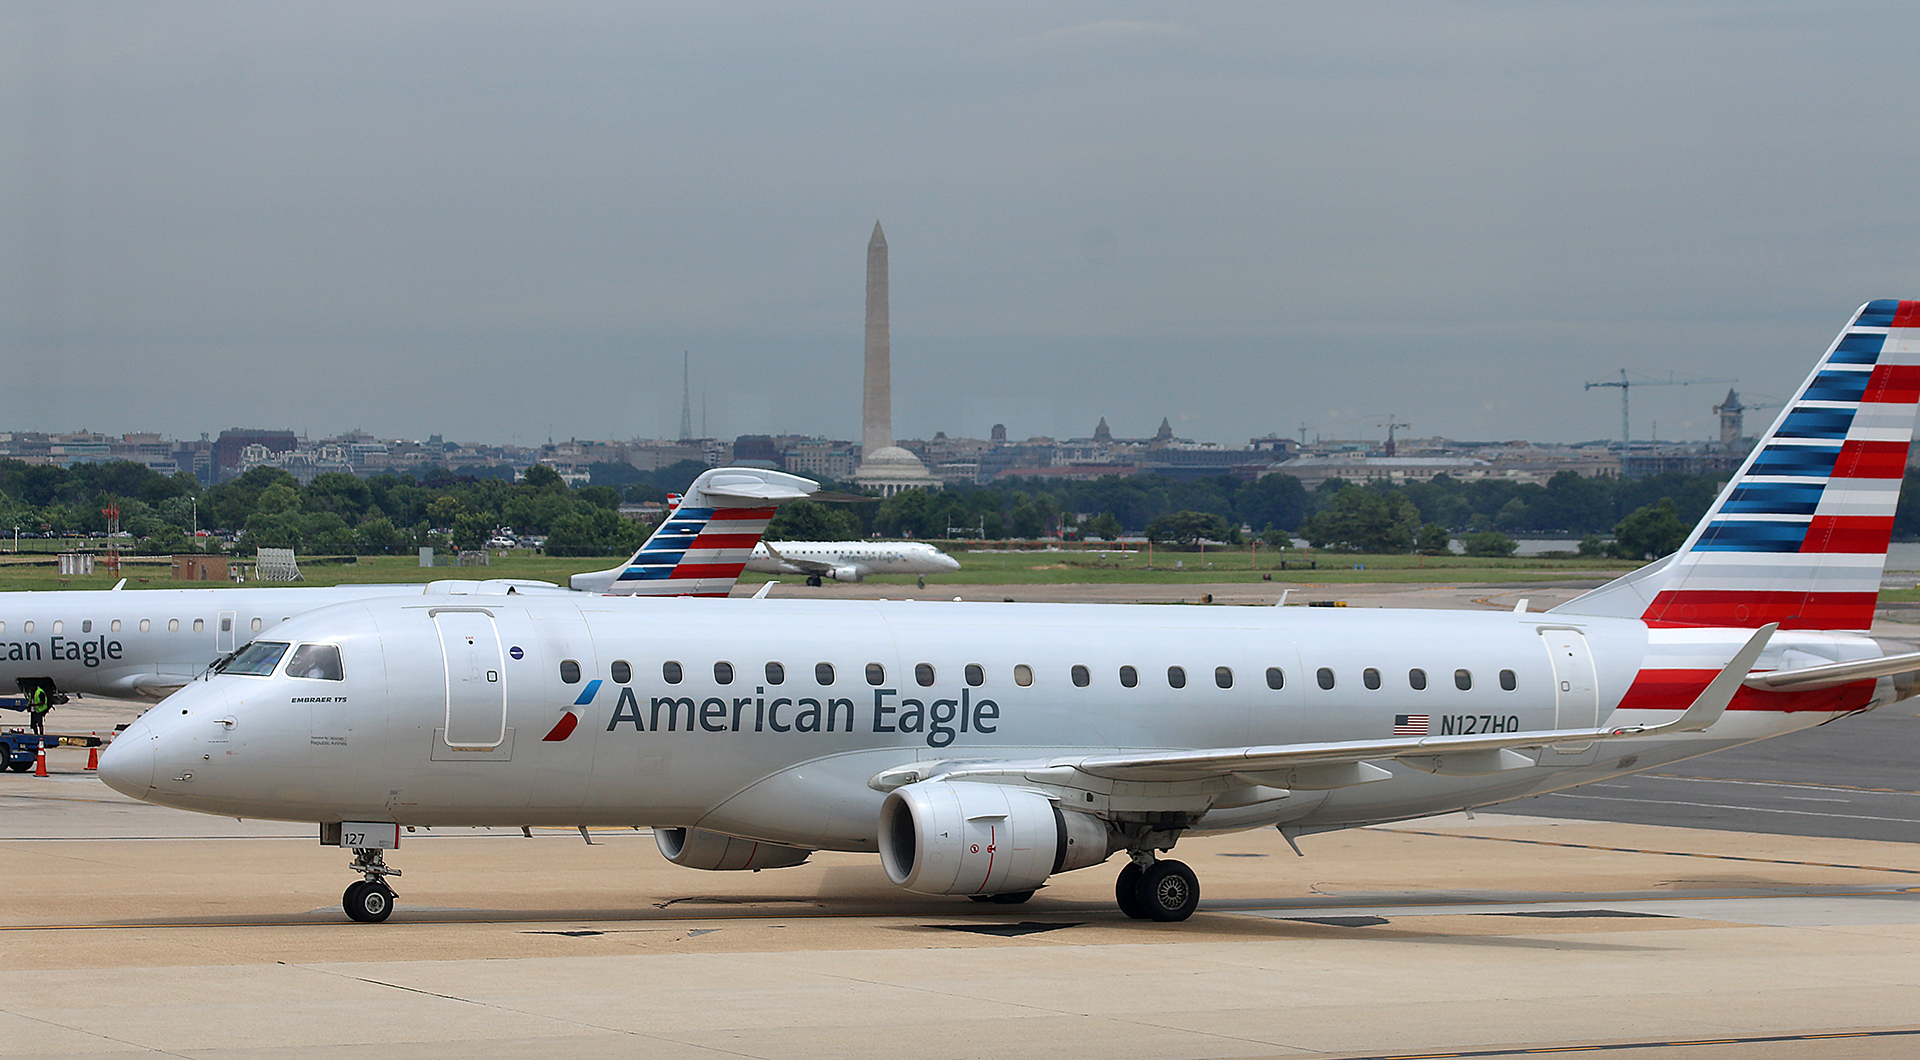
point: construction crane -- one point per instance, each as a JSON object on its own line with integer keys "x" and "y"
{"x": 1390, "y": 425}
{"x": 1625, "y": 384}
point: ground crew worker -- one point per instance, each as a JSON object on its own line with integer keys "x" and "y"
{"x": 38, "y": 703}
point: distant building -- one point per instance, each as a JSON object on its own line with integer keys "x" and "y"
{"x": 227, "y": 448}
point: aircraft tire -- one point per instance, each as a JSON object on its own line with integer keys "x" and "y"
{"x": 368, "y": 903}
{"x": 1169, "y": 891}
{"x": 813, "y": 581}
{"x": 1126, "y": 892}
{"x": 19, "y": 767}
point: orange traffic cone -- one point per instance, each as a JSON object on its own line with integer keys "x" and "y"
{"x": 93, "y": 754}
{"x": 40, "y": 763}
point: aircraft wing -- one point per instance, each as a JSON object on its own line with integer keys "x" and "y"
{"x": 801, "y": 566}
{"x": 1340, "y": 763}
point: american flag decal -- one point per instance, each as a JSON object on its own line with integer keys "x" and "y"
{"x": 1411, "y": 724}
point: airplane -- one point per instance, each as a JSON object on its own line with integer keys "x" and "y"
{"x": 849, "y": 561}
{"x": 981, "y": 748}
{"x": 147, "y": 643}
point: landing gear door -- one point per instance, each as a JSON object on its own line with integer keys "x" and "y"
{"x": 476, "y": 679}
{"x": 1576, "y": 690}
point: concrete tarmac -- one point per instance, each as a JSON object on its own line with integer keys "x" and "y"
{"x": 134, "y": 930}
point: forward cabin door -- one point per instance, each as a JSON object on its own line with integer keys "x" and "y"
{"x": 476, "y": 683}
{"x": 1576, "y": 691}
{"x": 223, "y": 632}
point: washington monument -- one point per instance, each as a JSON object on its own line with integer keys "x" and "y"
{"x": 876, "y": 409}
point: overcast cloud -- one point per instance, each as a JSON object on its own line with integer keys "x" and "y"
{"x": 500, "y": 221}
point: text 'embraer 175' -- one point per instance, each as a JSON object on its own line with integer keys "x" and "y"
{"x": 979, "y": 748}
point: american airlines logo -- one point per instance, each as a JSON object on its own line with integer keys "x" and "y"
{"x": 938, "y": 721}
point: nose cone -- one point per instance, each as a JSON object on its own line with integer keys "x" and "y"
{"x": 948, "y": 561}
{"x": 126, "y": 765}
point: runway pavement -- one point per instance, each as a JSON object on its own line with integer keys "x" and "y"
{"x": 1716, "y": 901}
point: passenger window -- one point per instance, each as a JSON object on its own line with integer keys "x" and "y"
{"x": 1417, "y": 679}
{"x": 114, "y": 626}
{"x": 255, "y": 624}
{"x": 1325, "y": 676}
{"x": 1223, "y": 676}
{"x": 923, "y": 674}
{"x": 1022, "y": 675}
{"x": 570, "y": 671}
{"x": 146, "y": 624}
{"x": 1463, "y": 680}
{"x": 86, "y": 625}
{"x": 173, "y": 626}
{"x": 723, "y": 673}
{"x": 1370, "y": 677}
{"x": 27, "y": 626}
{"x": 822, "y": 673}
{"x": 199, "y": 626}
{"x": 1508, "y": 682}
{"x": 1276, "y": 677}
{"x": 1081, "y": 678}
{"x": 976, "y": 675}
{"x": 59, "y": 626}
{"x": 226, "y": 624}
{"x": 3, "y": 627}
{"x": 776, "y": 674}
{"x": 670, "y": 672}
{"x": 622, "y": 672}
{"x": 1129, "y": 677}
{"x": 1176, "y": 677}
{"x": 316, "y": 662}
{"x": 876, "y": 674}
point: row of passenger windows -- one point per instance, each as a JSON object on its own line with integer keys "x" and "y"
{"x": 146, "y": 625}
{"x": 976, "y": 675}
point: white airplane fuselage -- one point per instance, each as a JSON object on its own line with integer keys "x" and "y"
{"x": 849, "y": 561}
{"x": 789, "y": 761}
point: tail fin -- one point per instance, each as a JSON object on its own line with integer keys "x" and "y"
{"x": 702, "y": 545}
{"x": 1799, "y": 536}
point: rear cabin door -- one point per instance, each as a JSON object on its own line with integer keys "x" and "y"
{"x": 476, "y": 683}
{"x": 1576, "y": 690}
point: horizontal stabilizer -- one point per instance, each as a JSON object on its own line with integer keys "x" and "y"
{"x": 1809, "y": 678}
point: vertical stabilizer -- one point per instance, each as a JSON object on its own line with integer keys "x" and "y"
{"x": 703, "y": 544}
{"x": 1799, "y": 536}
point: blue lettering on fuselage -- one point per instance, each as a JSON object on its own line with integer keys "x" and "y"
{"x": 89, "y": 653}
{"x": 938, "y": 721}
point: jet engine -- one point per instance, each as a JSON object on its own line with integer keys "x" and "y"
{"x": 971, "y": 838}
{"x": 692, "y": 848}
{"x": 847, "y": 574}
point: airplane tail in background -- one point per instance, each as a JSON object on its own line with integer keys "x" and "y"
{"x": 703, "y": 544}
{"x": 1799, "y": 535}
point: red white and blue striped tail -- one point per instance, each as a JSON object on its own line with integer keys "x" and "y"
{"x": 702, "y": 546}
{"x": 1799, "y": 536}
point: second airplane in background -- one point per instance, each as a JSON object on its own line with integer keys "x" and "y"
{"x": 849, "y": 561}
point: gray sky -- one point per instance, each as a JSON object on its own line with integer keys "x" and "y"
{"x": 495, "y": 221}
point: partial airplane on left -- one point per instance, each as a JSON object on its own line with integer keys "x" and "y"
{"x": 150, "y": 642}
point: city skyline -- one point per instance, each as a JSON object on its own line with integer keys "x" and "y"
{"x": 510, "y": 221}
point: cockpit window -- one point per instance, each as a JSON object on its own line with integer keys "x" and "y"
{"x": 318, "y": 662}
{"x": 257, "y": 659}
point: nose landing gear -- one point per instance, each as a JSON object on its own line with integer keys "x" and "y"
{"x": 1152, "y": 889}
{"x": 370, "y": 900}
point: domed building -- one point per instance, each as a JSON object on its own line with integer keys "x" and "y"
{"x": 892, "y": 469}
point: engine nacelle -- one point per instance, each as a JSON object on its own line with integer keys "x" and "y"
{"x": 971, "y": 838}
{"x": 692, "y": 848}
{"x": 847, "y": 574}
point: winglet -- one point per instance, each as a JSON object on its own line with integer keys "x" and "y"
{"x": 1713, "y": 700}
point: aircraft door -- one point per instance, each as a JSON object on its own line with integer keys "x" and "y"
{"x": 1576, "y": 694}
{"x": 223, "y": 632}
{"x": 476, "y": 679}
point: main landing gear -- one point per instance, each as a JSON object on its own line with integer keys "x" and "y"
{"x": 1153, "y": 889}
{"x": 813, "y": 580}
{"x": 370, "y": 900}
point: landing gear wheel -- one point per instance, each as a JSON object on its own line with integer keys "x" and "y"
{"x": 813, "y": 581}
{"x": 1168, "y": 891}
{"x": 1126, "y": 891}
{"x": 19, "y": 767}
{"x": 368, "y": 903}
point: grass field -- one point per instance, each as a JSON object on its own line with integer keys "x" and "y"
{"x": 987, "y": 567}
